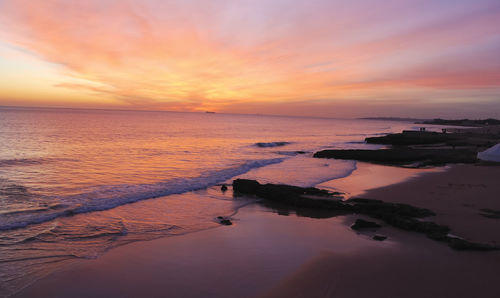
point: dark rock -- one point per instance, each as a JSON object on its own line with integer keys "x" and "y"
{"x": 402, "y": 222}
{"x": 286, "y": 191}
{"x": 223, "y": 188}
{"x": 311, "y": 201}
{"x": 364, "y": 224}
{"x": 412, "y": 138}
{"x": 304, "y": 197}
{"x": 470, "y": 138}
{"x": 224, "y": 221}
{"x": 403, "y": 156}
{"x": 361, "y": 200}
{"x": 461, "y": 244}
{"x": 490, "y": 213}
{"x": 379, "y": 237}
{"x": 245, "y": 186}
{"x": 378, "y": 208}
{"x": 283, "y": 208}
{"x": 283, "y": 212}
{"x": 433, "y": 230}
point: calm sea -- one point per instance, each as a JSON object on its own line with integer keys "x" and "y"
{"x": 75, "y": 183}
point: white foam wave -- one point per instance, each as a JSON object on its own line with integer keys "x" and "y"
{"x": 110, "y": 197}
{"x": 302, "y": 171}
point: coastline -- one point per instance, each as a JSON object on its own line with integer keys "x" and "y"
{"x": 419, "y": 267}
{"x": 457, "y": 196}
{"x": 291, "y": 256}
{"x": 245, "y": 259}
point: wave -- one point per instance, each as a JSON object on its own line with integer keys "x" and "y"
{"x": 30, "y": 161}
{"x": 61, "y": 256}
{"x": 109, "y": 197}
{"x": 20, "y": 162}
{"x": 32, "y": 209}
{"x": 271, "y": 144}
{"x": 303, "y": 171}
{"x": 12, "y": 189}
{"x": 291, "y": 153}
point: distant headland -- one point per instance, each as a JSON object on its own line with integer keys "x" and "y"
{"x": 439, "y": 121}
{"x": 463, "y": 122}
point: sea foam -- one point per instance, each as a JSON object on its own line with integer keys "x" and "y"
{"x": 108, "y": 197}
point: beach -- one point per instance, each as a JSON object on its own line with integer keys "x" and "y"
{"x": 265, "y": 254}
{"x": 141, "y": 208}
{"x": 76, "y": 184}
{"x": 418, "y": 267}
{"x": 251, "y": 149}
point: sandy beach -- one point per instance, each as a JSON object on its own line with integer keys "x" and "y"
{"x": 417, "y": 267}
{"x": 264, "y": 254}
{"x": 243, "y": 260}
{"x": 457, "y": 196}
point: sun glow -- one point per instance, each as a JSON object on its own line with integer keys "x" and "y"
{"x": 250, "y": 57}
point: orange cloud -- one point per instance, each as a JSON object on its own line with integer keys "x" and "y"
{"x": 202, "y": 55}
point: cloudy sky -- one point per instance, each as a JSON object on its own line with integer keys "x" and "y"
{"x": 409, "y": 58}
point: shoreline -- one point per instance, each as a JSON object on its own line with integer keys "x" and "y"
{"x": 301, "y": 275}
{"x": 369, "y": 176}
{"x": 243, "y": 260}
{"x": 457, "y": 196}
{"x": 419, "y": 267}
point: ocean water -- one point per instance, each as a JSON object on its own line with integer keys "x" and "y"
{"x": 76, "y": 183}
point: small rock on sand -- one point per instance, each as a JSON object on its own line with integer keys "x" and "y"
{"x": 379, "y": 237}
{"x": 364, "y": 224}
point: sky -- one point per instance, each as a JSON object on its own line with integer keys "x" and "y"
{"x": 326, "y": 58}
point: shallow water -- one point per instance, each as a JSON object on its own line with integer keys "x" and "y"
{"x": 75, "y": 183}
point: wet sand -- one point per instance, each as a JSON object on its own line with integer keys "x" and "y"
{"x": 417, "y": 267}
{"x": 369, "y": 176}
{"x": 243, "y": 260}
{"x": 264, "y": 254}
{"x": 456, "y": 196}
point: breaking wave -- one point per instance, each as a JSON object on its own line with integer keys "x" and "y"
{"x": 109, "y": 197}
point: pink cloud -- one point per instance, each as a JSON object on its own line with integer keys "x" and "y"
{"x": 208, "y": 54}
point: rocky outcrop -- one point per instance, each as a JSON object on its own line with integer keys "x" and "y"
{"x": 461, "y": 244}
{"x": 403, "y": 156}
{"x": 246, "y": 186}
{"x": 402, "y": 216}
{"x": 308, "y": 197}
{"x": 378, "y": 208}
{"x": 473, "y": 139}
{"x": 361, "y": 224}
{"x": 412, "y": 138}
{"x": 490, "y": 213}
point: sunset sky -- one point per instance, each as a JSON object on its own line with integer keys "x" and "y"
{"x": 408, "y": 58}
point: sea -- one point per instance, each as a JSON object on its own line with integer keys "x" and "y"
{"x": 75, "y": 183}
